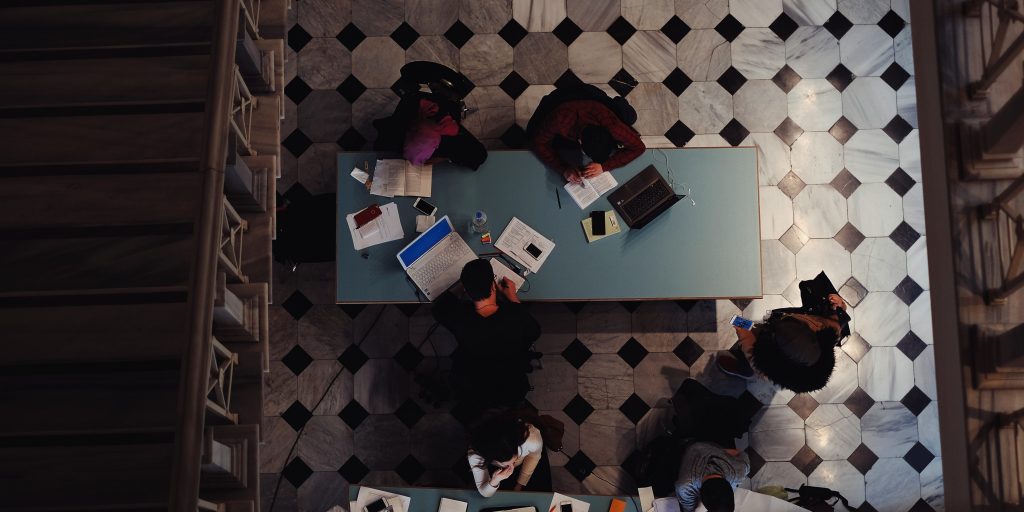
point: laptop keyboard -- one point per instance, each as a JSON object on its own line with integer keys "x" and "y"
{"x": 647, "y": 199}
{"x": 439, "y": 263}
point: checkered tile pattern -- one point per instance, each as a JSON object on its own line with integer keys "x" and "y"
{"x": 825, "y": 93}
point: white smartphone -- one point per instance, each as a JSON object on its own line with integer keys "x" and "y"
{"x": 741, "y": 322}
{"x": 424, "y": 207}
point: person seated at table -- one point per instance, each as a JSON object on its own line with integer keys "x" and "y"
{"x": 795, "y": 347}
{"x": 494, "y": 338}
{"x": 708, "y": 475}
{"x": 580, "y": 132}
{"x": 503, "y": 445}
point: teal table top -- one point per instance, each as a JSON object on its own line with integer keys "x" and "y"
{"x": 426, "y": 499}
{"x": 711, "y": 250}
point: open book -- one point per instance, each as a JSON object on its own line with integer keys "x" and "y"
{"x": 588, "y": 190}
{"x": 395, "y": 177}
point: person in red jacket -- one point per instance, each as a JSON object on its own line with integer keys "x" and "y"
{"x": 577, "y": 127}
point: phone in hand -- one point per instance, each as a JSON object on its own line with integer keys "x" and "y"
{"x": 742, "y": 323}
{"x": 597, "y": 223}
{"x": 424, "y": 207}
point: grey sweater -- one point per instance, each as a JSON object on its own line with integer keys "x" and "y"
{"x": 701, "y": 460}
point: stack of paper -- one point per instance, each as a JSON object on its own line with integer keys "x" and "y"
{"x": 385, "y": 228}
{"x": 514, "y": 240}
{"x": 395, "y": 177}
{"x": 590, "y": 189}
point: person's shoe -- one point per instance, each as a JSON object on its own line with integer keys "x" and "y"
{"x": 732, "y": 365}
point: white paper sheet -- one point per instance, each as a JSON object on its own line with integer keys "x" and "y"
{"x": 360, "y": 175}
{"x": 514, "y": 239}
{"x": 646, "y": 498}
{"x": 590, "y": 189}
{"x": 450, "y": 505}
{"x": 746, "y": 501}
{"x": 577, "y": 505}
{"x": 366, "y": 495}
{"x": 389, "y": 227}
{"x": 393, "y": 177}
{"x": 418, "y": 180}
{"x": 501, "y": 270}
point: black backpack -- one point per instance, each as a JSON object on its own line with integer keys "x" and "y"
{"x": 657, "y": 464}
{"x": 816, "y": 499}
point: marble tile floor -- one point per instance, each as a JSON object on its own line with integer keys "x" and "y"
{"x": 823, "y": 89}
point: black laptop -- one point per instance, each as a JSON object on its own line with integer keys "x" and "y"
{"x": 642, "y": 198}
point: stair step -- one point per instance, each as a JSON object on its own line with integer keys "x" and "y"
{"x": 118, "y": 474}
{"x": 106, "y": 109}
{"x": 92, "y": 334}
{"x": 29, "y": 202}
{"x": 103, "y": 81}
{"x": 95, "y": 262}
{"x": 99, "y": 139}
{"x": 32, "y": 28}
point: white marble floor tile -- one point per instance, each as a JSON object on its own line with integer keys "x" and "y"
{"x": 809, "y": 12}
{"x": 777, "y": 433}
{"x": 760, "y": 106}
{"x": 906, "y": 102}
{"x": 495, "y": 112}
{"x": 778, "y": 266}
{"x": 372, "y": 104}
{"x": 595, "y": 57}
{"x": 902, "y": 7}
{"x": 538, "y": 15}
{"x": 555, "y": 386}
{"x": 776, "y": 213}
{"x": 865, "y": 50}
{"x": 431, "y": 17}
{"x": 758, "y": 53}
{"x": 703, "y": 55}
{"x": 823, "y": 254}
{"x": 768, "y": 393}
{"x": 377, "y": 61}
{"x": 486, "y": 59}
{"x": 485, "y": 16}
{"x": 540, "y": 58}
{"x": 707, "y": 140}
{"x": 904, "y": 51}
{"x": 871, "y": 156}
{"x": 607, "y": 437}
{"x": 879, "y": 264}
{"x": 924, "y": 372}
{"x": 434, "y": 49}
{"x": 755, "y": 13}
{"x": 875, "y": 209}
{"x": 603, "y": 327}
{"x": 606, "y": 381}
{"x": 527, "y": 102}
{"x": 658, "y": 377}
{"x": 891, "y": 484}
{"x": 593, "y": 16}
{"x": 864, "y": 12}
{"x": 820, "y": 211}
{"x": 917, "y": 263}
{"x": 324, "y": 63}
{"x": 913, "y": 208}
{"x": 654, "y": 107}
{"x": 702, "y": 13}
{"x": 842, "y": 477}
{"x": 921, "y": 318}
{"x": 932, "y": 490}
{"x": 758, "y": 309}
{"x": 817, "y": 157}
{"x": 928, "y": 428}
{"x": 815, "y": 105}
{"x": 889, "y": 429}
{"x": 910, "y": 155}
{"x": 704, "y": 106}
{"x": 378, "y": 17}
{"x": 833, "y": 432}
{"x": 649, "y": 56}
{"x": 778, "y": 473}
{"x": 648, "y": 14}
{"x": 885, "y": 374}
{"x": 659, "y": 326}
{"x": 323, "y": 18}
{"x": 882, "y": 319}
{"x": 869, "y": 102}
{"x": 773, "y": 157}
{"x": 812, "y": 52}
{"x": 842, "y": 382}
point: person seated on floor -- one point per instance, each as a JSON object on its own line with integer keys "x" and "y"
{"x": 503, "y": 445}
{"x": 425, "y": 125}
{"x": 708, "y": 475}
{"x": 580, "y": 132}
{"x": 794, "y": 347}
{"x": 494, "y": 338}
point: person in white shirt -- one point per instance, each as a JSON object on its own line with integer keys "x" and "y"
{"x": 498, "y": 448}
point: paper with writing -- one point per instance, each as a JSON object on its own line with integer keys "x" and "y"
{"x": 388, "y": 228}
{"x": 514, "y": 239}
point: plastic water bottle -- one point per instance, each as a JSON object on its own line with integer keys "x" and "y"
{"x": 479, "y": 222}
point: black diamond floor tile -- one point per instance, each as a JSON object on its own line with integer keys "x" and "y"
{"x": 892, "y": 23}
{"x": 630, "y": 305}
{"x": 632, "y": 352}
{"x": 577, "y": 353}
{"x": 679, "y": 134}
{"x": 459, "y": 34}
{"x": 405, "y": 35}
{"x": 296, "y": 415}
{"x": 920, "y": 506}
{"x": 915, "y": 400}
{"x": 675, "y": 29}
{"x": 788, "y": 131}
{"x": 296, "y": 143}
{"x": 297, "y": 471}
{"x": 578, "y": 409}
{"x": 803, "y": 405}
{"x": 580, "y": 466}
{"x": 806, "y": 460}
{"x": 621, "y": 30}
{"x": 791, "y": 185}
{"x": 514, "y": 85}
{"x": 919, "y": 457}
{"x": 351, "y": 140}
{"x": 512, "y": 33}
{"x": 859, "y": 402}
{"x": 410, "y": 469}
{"x": 297, "y": 304}
{"x": 634, "y": 408}
{"x": 677, "y": 81}
{"x": 729, "y": 28}
{"x": 862, "y": 458}
{"x": 783, "y": 26}
{"x": 900, "y": 181}
{"x": 298, "y": 38}
{"x": 410, "y": 413}
{"x": 897, "y": 129}
{"x": 838, "y": 25}
{"x": 731, "y": 80}
{"x": 895, "y": 76}
{"x": 297, "y": 193}
{"x": 840, "y": 77}
{"x": 297, "y": 90}
{"x": 353, "y": 414}
{"x": 567, "y": 31}
{"x": 353, "y": 358}
{"x": 352, "y": 310}
{"x": 842, "y": 130}
{"x": 904, "y": 236}
{"x": 408, "y": 357}
{"x": 568, "y": 80}
{"x": 911, "y": 345}
{"x": 297, "y": 360}
{"x": 734, "y": 132}
{"x": 849, "y": 237}
{"x": 688, "y": 351}
{"x": 741, "y": 304}
{"x": 623, "y": 83}
{"x": 354, "y": 471}
{"x": 351, "y": 36}
{"x": 845, "y": 183}
{"x": 786, "y": 79}
{"x": 351, "y": 88}
{"x": 756, "y": 461}
{"x": 408, "y": 309}
{"x": 514, "y": 137}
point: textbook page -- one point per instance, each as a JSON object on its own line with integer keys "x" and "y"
{"x": 501, "y": 270}
{"x": 514, "y": 240}
{"x": 590, "y": 189}
{"x": 388, "y": 178}
{"x": 418, "y": 179}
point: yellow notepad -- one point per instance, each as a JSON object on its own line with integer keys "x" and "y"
{"x": 611, "y": 226}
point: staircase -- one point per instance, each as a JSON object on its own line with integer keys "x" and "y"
{"x": 139, "y": 145}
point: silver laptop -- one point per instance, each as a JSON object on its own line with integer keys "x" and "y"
{"x": 434, "y": 260}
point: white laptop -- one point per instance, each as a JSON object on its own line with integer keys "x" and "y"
{"x": 434, "y": 260}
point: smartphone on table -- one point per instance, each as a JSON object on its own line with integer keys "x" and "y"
{"x": 533, "y": 250}
{"x": 424, "y": 207}
{"x": 565, "y": 506}
{"x": 597, "y": 222}
{"x": 379, "y": 505}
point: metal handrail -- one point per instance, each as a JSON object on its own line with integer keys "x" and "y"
{"x": 251, "y": 13}
{"x": 243, "y": 105}
{"x": 999, "y": 59}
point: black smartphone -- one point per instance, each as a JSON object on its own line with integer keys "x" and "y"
{"x": 565, "y": 506}
{"x": 378, "y": 505}
{"x": 597, "y": 222}
{"x": 533, "y": 250}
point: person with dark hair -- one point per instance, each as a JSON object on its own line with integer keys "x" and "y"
{"x": 494, "y": 338}
{"x": 499, "y": 447}
{"x": 794, "y": 347}
{"x": 708, "y": 474}
{"x": 580, "y": 132}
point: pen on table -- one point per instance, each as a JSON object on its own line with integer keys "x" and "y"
{"x": 559, "y": 198}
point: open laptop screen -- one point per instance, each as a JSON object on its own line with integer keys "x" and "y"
{"x": 425, "y": 241}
